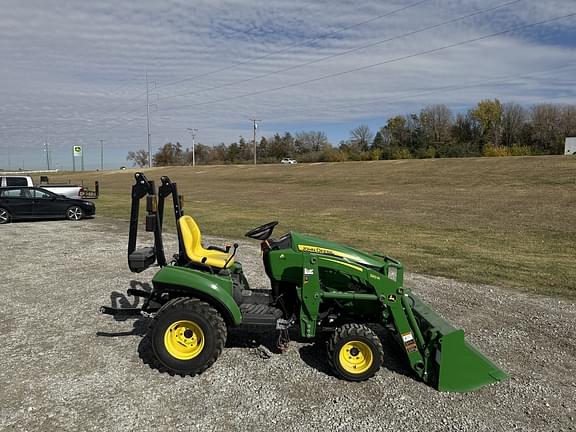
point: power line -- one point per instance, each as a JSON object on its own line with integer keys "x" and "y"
{"x": 138, "y": 96}
{"x": 407, "y": 96}
{"x": 349, "y": 51}
{"x": 289, "y": 47}
{"x": 373, "y": 65}
{"x": 126, "y": 82}
{"x": 117, "y": 116}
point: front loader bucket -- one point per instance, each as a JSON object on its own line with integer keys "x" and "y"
{"x": 453, "y": 364}
{"x": 462, "y": 367}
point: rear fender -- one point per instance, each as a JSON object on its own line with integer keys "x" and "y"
{"x": 213, "y": 289}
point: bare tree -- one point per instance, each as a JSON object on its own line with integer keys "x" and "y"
{"x": 361, "y": 137}
{"x": 569, "y": 120}
{"x": 312, "y": 141}
{"x": 436, "y": 122}
{"x": 138, "y": 158}
{"x": 547, "y": 127}
{"x": 513, "y": 119}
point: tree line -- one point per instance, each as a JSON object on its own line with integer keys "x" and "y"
{"x": 491, "y": 128}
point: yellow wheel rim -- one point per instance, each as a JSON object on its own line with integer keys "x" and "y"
{"x": 356, "y": 357}
{"x": 184, "y": 340}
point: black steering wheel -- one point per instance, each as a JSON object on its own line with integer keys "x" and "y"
{"x": 262, "y": 232}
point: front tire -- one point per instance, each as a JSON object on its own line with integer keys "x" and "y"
{"x": 355, "y": 352}
{"x": 4, "y": 216}
{"x": 188, "y": 335}
{"x": 74, "y": 213}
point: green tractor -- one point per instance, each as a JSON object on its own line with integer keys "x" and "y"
{"x": 315, "y": 287}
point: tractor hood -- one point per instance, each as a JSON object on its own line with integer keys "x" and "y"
{"x": 303, "y": 243}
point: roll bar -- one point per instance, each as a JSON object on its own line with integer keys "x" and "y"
{"x": 142, "y": 258}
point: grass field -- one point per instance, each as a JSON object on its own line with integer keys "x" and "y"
{"x": 504, "y": 221}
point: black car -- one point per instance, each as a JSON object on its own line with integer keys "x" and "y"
{"x": 33, "y": 202}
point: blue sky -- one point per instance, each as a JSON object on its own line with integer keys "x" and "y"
{"x": 73, "y": 72}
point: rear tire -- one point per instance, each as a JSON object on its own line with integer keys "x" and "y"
{"x": 74, "y": 213}
{"x": 355, "y": 352}
{"x": 4, "y": 216}
{"x": 188, "y": 335}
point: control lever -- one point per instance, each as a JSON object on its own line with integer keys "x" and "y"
{"x": 231, "y": 256}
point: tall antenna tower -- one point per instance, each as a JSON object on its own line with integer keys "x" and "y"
{"x": 148, "y": 122}
{"x": 193, "y": 133}
{"x": 255, "y": 126}
{"x": 47, "y": 151}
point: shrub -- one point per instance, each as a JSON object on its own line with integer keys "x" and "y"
{"x": 401, "y": 153}
{"x": 427, "y": 153}
{"x": 520, "y": 150}
{"x": 310, "y": 157}
{"x": 337, "y": 156}
{"x": 376, "y": 154}
{"x": 454, "y": 149}
{"x": 516, "y": 150}
{"x": 490, "y": 150}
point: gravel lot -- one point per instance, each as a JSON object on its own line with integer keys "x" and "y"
{"x": 65, "y": 367}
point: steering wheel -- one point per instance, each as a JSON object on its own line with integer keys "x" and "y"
{"x": 262, "y": 232}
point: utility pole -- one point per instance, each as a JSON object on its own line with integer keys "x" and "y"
{"x": 193, "y": 133}
{"x": 255, "y": 123}
{"x": 101, "y": 155}
{"x": 46, "y": 149}
{"x": 148, "y": 122}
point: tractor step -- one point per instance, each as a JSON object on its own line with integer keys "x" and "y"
{"x": 256, "y": 296}
{"x": 259, "y": 314}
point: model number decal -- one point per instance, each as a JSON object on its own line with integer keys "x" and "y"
{"x": 315, "y": 249}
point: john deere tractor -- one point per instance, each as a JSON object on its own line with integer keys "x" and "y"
{"x": 315, "y": 287}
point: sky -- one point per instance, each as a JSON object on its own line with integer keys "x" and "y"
{"x": 75, "y": 72}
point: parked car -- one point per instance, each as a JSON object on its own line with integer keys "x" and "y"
{"x": 36, "y": 203}
{"x": 288, "y": 161}
{"x": 69, "y": 190}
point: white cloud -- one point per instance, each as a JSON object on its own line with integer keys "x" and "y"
{"x": 74, "y": 71}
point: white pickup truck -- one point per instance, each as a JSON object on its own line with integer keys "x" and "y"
{"x": 68, "y": 190}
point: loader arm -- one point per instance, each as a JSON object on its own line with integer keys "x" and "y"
{"x": 436, "y": 351}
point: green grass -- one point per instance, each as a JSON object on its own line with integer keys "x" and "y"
{"x": 505, "y": 221}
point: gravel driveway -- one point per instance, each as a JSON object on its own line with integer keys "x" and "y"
{"x": 65, "y": 367}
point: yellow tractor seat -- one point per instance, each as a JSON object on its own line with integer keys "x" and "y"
{"x": 192, "y": 240}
